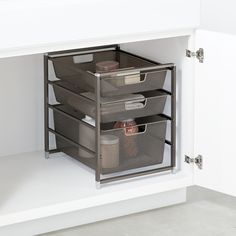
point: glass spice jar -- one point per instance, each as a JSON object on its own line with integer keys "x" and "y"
{"x": 129, "y": 139}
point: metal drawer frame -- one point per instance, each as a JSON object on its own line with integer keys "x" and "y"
{"x": 98, "y": 176}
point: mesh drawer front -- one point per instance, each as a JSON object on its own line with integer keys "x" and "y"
{"x": 81, "y": 73}
{"x": 149, "y": 143}
{"x": 145, "y": 82}
{"x": 153, "y": 104}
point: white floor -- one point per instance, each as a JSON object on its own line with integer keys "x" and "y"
{"x": 206, "y": 213}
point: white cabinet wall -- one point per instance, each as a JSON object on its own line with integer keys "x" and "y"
{"x": 21, "y": 103}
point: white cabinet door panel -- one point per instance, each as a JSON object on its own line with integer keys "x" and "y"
{"x": 219, "y": 15}
{"x": 215, "y": 112}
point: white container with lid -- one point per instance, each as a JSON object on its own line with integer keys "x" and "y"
{"x": 109, "y": 151}
{"x": 86, "y": 137}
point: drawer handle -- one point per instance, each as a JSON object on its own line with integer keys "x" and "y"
{"x": 143, "y": 129}
{"x": 135, "y": 78}
{"x": 129, "y": 106}
{"x": 79, "y": 59}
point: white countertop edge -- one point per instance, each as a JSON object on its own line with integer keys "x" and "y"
{"x": 73, "y": 44}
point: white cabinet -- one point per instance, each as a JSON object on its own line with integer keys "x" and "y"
{"x": 215, "y": 112}
{"x": 205, "y": 96}
{"x": 205, "y": 104}
{"x": 218, "y": 16}
{"x": 31, "y": 27}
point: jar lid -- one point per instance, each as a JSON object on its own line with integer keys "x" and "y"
{"x": 105, "y": 66}
{"x": 109, "y": 139}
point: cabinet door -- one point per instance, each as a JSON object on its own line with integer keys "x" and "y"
{"x": 215, "y": 111}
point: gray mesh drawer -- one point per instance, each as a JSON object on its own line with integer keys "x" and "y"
{"x": 151, "y": 103}
{"x": 149, "y": 142}
{"x": 135, "y": 74}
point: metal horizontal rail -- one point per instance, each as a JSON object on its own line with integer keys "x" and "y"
{"x": 54, "y": 108}
{"x": 165, "y": 91}
{"x": 165, "y": 116}
{"x": 133, "y": 175}
{"x": 168, "y": 142}
{"x": 147, "y": 69}
{"x": 82, "y": 51}
{"x": 143, "y": 58}
{"x": 71, "y": 92}
{"x": 54, "y": 151}
{"x": 71, "y": 141}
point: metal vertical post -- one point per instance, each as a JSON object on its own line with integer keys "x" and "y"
{"x": 173, "y": 116}
{"x": 97, "y": 133}
{"x": 46, "y": 132}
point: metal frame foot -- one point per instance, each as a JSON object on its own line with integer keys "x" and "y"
{"x": 46, "y": 155}
{"x": 175, "y": 170}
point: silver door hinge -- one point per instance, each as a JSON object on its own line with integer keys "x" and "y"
{"x": 197, "y": 160}
{"x": 199, "y": 54}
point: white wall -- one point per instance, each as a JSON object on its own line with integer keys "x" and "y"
{"x": 219, "y": 15}
{"x": 21, "y": 103}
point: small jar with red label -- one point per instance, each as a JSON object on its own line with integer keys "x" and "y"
{"x": 129, "y": 139}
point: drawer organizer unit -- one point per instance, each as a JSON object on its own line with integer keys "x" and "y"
{"x": 105, "y": 108}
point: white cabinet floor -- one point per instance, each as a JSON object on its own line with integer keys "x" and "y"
{"x": 206, "y": 213}
{"x": 34, "y": 188}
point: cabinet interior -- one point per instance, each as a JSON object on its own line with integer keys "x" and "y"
{"x": 173, "y": 50}
{"x": 22, "y": 96}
